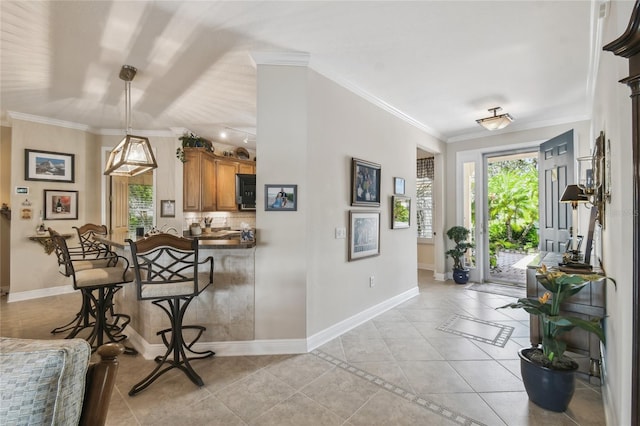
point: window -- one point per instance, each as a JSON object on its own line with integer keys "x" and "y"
{"x": 424, "y": 197}
{"x": 141, "y": 201}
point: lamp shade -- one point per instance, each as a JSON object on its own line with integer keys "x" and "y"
{"x": 132, "y": 156}
{"x": 573, "y": 194}
{"x": 495, "y": 122}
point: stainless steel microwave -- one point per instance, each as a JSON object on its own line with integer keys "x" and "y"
{"x": 246, "y": 191}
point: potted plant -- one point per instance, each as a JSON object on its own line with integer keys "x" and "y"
{"x": 190, "y": 140}
{"x": 459, "y": 235}
{"x": 548, "y": 374}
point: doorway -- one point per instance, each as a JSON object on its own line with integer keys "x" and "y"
{"x": 512, "y": 215}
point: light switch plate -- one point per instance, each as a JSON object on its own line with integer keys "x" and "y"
{"x": 341, "y": 233}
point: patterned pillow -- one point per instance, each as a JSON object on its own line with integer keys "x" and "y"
{"x": 42, "y": 381}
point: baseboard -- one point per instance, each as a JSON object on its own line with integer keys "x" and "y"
{"x": 279, "y": 346}
{"x": 439, "y": 276}
{"x": 36, "y": 294}
{"x": 342, "y": 327}
{"x": 234, "y": 348}
{"x": 427, "y": 266}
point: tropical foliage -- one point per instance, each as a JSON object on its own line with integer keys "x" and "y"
{"x": 559, "y": 286}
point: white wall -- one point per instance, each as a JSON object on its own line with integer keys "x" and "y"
{"x": 612, "y": 114}
{"x": 27, "y": 255}
{"x": 309, "y": 128}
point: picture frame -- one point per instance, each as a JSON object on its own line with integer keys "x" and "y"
{"x": 365, "y": 183}
{"x": 167, "y": 208}
{"x": 400, "y": 212}
{"x": 60, "y": 205}
{"x": 398, "y": 185}
{"x": 364, "y": 234}
{"x": 49, "y": 166}
{"x": 274, "y": 200}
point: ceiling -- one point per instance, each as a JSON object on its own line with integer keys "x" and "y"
{"x": 439, "y": 64}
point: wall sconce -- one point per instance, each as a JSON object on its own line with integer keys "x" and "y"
{"x": 592, "y": 177}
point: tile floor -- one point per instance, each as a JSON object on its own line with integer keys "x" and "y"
{"x": 437, "y": 359}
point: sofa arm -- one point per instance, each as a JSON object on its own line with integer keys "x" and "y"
{"x": 101, "y": 377}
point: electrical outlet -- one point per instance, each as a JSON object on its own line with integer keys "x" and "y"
{"x": 341, "y": 233}
{"x": 372, "y": 281}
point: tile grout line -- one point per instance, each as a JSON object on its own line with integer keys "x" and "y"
{"x": 445, "y": 412}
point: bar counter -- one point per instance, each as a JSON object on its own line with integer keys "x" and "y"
{"x": 225, "y": 308}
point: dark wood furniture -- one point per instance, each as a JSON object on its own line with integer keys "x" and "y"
{"x": 101, "y": 377}
{"x": 587, "y": 304}
{"x": 628, "y": 46}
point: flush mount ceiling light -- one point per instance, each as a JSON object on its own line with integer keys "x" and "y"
{"x": 133, "y": 155}
{"x": 496, "y": 121}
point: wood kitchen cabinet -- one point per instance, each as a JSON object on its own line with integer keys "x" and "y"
{"x": 226, "y": 185}
{"x": 199, "y": 181}
{"x": 209, "y": 181}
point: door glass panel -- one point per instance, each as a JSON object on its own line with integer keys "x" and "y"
{"x": 469, "y": 212}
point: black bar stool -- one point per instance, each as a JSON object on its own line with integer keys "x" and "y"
{"x": 166, "y": 272}
{"x": 97, "y": 284}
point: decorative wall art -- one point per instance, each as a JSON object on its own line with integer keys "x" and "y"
{"x": 400, "y": 212}
{"x": 60, "y": 205}
{"x": 281, "y": 197}
{"x": 365, "y": 183}
{"x": 167, "y": 208}
{"x": 398, "y": 185}
{"x": 364, "y": 234}
{"x": 49, "y": 166}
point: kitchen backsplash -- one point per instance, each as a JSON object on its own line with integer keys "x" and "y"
{"x": 233, "y": 220}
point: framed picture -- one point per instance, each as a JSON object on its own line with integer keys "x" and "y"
{"x": 364, "y": 234}
{"x": 60, "y": 205}
{"x": 281, "y": 197}
{"x": 167, "y": 208}
{"x": 48, "y": 166}
{"x": 400, "y": 212}
{"x": 365, "y": 183}
{"x": 398, "y": 185}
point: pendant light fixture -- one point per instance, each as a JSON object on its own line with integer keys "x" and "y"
{"x": 133, "y": 155}
{"x": 495, "y": 122}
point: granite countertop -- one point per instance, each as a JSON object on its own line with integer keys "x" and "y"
{"x": 118, "y": 240}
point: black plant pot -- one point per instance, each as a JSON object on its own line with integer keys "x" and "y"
{"x": 460, "y": 276}
{"x": 547, "y": 388}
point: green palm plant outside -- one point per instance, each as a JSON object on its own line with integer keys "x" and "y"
{"x": 559, "y": 286}
{"x": 510, "y": 195}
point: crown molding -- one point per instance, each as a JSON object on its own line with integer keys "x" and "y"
{"x": 519, "y": 128}
{"x": 296, "y": 59}
{"x": 13, "y": 115}
{"x": 354, "y": 88}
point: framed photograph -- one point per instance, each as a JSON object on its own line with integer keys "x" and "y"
{"x": 49, "y": 166}
{"x": 365, "y": 183}
{"x": 400, "y": 212}
{"x": 22, "y": 190}
{"x": 60, "y": 205}
{"x": 398, "y": 185}
{"x": 364, "y": 234}
{"x": 167, "y": 208}
{"x": 281, "y": 197}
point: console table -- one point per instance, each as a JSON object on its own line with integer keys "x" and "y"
{"x": 587, "y": 304}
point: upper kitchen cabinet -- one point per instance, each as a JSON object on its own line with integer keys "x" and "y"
{"x": 199, "y": 181}
{"x": 226, "y": 185}
{"x": 210, "y": 181}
